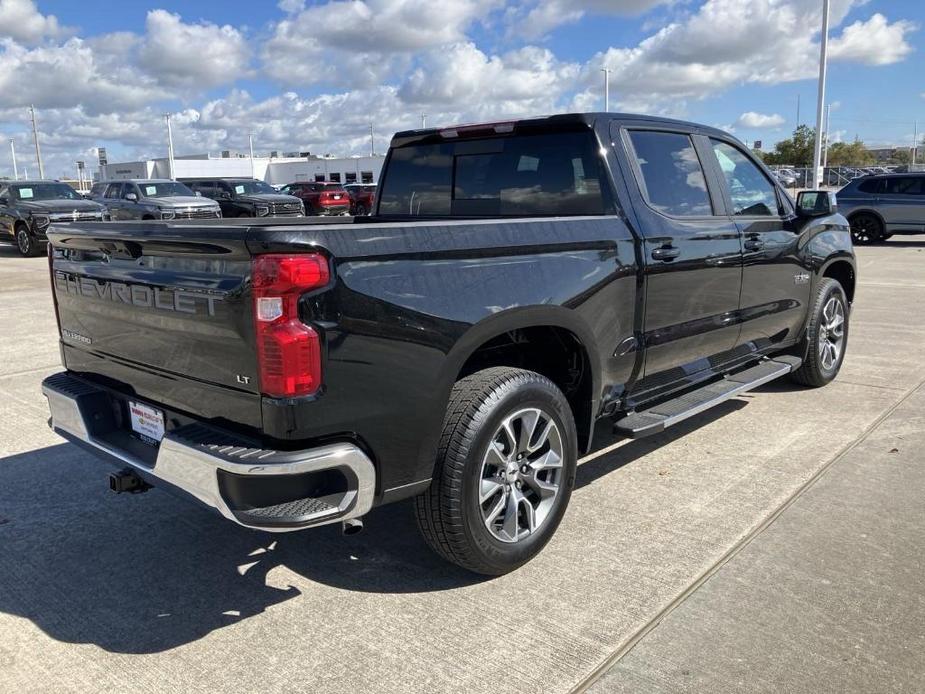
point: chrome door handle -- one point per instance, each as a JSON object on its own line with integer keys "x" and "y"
{"x": 665, "y": 253}
{"x": 754, "y": 245}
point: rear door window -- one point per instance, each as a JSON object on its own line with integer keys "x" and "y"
{"x": 114, "y": 190}
{"x": 904, "y": 185}
{"x": 873, "y": 185}
{"x": 523, "y": 175}
{"x": 672, "y": 176}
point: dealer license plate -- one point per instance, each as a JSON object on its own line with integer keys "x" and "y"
{"x": 147, "y": 421}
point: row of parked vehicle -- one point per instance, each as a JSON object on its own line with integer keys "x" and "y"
{"x": 833, "y": 176}
{"x": 27, "y": 208}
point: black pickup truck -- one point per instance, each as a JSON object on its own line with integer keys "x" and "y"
{"x": 517, "y": 284}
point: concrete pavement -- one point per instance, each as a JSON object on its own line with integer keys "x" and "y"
{"x": 148, "y": 593}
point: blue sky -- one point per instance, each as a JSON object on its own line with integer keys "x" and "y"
{"x": 314, "y": 74}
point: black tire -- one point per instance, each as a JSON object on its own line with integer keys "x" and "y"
{"x": 361, "y": 210}
{"x": 25, "y": 243}
{"x": 866, "y": 228}
{"x": 450, "y": 515}
{"x": 817, "y": 370}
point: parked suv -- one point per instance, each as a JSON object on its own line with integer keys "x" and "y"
{"x": 320, "y": 198}
{"x": 246, "y": 197}
{"x": 362, "y": 196}
{"x": 152, "y": 199}
{"x": 879, "y": 206}
{"x": 28, "y": 207}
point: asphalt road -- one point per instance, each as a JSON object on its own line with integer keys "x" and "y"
{"x": 673, "y": 550}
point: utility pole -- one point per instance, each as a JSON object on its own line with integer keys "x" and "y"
{"x": 250, "y": 142}
{"x": 606, "y": 72}
{"x": 372, "y": 143}
{"x": 169, "y": 147}
{"x": 825, "y": 142}
{"x": 798, "y": 111}
{"x": 820, "y": 99}
{"x": 38, "y": 151}
{"x": 13, "y": 155}
{"x": 915, "y": 143}
{"x": 423, "y": 121}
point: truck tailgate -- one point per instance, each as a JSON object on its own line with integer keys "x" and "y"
{"x": 162, "y": 311}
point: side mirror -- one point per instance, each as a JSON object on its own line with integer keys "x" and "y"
{"x": 816, "y": 203}
{"x": 131, "y": 196}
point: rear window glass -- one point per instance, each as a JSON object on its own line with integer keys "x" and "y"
{"x": 906, "y": 185}
{"x": 672, "y": 176}
{"x": 874, "y": 185}
{"x": 524, "y": 175}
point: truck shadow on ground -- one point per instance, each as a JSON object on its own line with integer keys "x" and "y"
{"x": 148, "y": 573}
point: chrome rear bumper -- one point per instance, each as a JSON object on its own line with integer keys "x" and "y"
{"x": 254, "y": 487}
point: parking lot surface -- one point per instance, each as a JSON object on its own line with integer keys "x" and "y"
{"x": 683, "y": 561}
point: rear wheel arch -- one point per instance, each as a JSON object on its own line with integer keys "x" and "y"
{"x": 551, "y": 341}
{"x": 842, "y": 272}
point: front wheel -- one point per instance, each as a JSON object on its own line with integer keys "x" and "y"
{"x": 866, "y": 229}
{"x": 504, "y": 472}
{"x": 25, "y": 243}
{"x": 361, "y": 210}
{"x": 823, "y": 347}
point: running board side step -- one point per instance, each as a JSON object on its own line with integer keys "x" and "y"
{"x": 664, "y": 415}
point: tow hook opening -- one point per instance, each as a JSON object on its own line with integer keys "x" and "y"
{"x": 126, "y": 480}
{"x": 352, "y": 526}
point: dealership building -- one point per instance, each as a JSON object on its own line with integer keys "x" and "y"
{"x": 275, "y": 170}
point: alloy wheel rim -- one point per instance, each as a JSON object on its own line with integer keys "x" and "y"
{"x": 831, "y": 333}
{"x": 23, "y": 239}
{"x": 863, "y": 229}
{"x": 521, "y": 475}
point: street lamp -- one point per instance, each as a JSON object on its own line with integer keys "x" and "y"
{"x": 820, "y": 99}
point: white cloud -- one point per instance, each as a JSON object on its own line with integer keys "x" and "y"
{"x": 199, "y": 55}
{"x": 536, "y": 18}
{"x": 753, "y": 120}
{"x": 21, "y": 20}
{"x": 874, "y": 42}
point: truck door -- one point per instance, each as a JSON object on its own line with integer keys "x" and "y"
{"x": 114, "y": 202}
{"x": 775, "y": 279}
{"x": 691, "y": 251}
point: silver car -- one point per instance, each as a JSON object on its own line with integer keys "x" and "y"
{"x": 879, "y": 206}
{"x": 153, "y": 199}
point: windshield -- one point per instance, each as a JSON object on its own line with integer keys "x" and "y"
{"x": 44, "y": 191}
{"x": 251, "y": 187}
{"x": 165, "y": 190}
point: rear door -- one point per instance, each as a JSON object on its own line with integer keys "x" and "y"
{"x": 902, "y": 203}
{"x": 775, "y": 282}
{"x": 113, "y": 201}
{"x": 691, "y": 250}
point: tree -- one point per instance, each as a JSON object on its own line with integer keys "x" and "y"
{"x": 901, "y": 156}
{"x": 849, "y": 154}
{"x": 794, "y": 151}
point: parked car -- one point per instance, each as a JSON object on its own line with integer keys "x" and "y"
{"x": 152, "y": 199}
{"x": 786, "y": 176}
{"x": 362, "y": 197}
{"x": 246, "y": 197}
{"x": 519, "y": 282}
{"x": 320, "y": 198}
{"x": 27, "y": 208}
{"x": 882, "y": 205}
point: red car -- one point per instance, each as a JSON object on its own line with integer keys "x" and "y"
{"x": 320, "y": 198}
{"x": 362, "y": 197}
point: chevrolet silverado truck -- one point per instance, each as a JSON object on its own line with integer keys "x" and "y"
{"x": 517, "y": 285}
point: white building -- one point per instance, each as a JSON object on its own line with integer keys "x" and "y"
{"x": 275, "y": 170}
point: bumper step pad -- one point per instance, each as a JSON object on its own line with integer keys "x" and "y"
{"x": 661, "y": 416}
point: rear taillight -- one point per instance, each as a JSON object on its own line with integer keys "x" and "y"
{"x": 288, "y": 351}
{"x": 51, "y": 275}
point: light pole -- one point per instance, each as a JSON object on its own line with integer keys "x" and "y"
{"x": 825, "y": 142}
{"x": 423, "y": 121}
{"x": 372, "y": 143}
{"x": 820, "y": 99}
{"x": 13, "y": 155}
{"x": 250, "y": 142}
{"x": 35, "y": 137}
{"x": 606, "y": 72}
{"x": 915, "y": 143}
{"x": 169, "y": 147}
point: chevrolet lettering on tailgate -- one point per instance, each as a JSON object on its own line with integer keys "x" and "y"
{"x": 139, "y": 295}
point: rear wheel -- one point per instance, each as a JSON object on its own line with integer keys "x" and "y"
{"x": 25, "y": 242}
{"x": 826, "y": 338}
{"x": 866, "y": 229}
{"x": 504, "y": 472}
{"x": 361, "y": 210}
